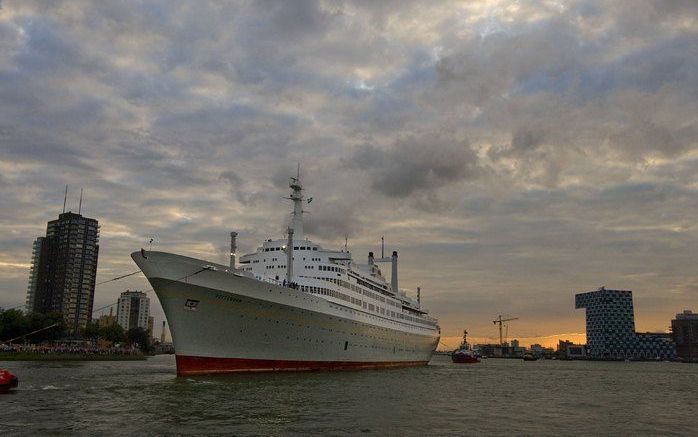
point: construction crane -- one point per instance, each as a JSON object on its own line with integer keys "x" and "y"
{"x": 500, "y": 321}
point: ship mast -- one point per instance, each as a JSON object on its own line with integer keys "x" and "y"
{"x": 297, "y": 197}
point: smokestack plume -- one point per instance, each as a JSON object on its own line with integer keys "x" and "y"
{"x": 393, "y": 275}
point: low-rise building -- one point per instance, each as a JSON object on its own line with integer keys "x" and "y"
{"x": 566, "y": 350}
{"x": 501, "y": 350}
{"x": 539, "y": 351}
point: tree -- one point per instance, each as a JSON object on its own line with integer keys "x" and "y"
{"x": 91, "y": 331}
{"x": 113, "y": 333}
{"x": 140, "y": 338}
{"x": 37, "y": 322}
{"x": 13, "y": 323}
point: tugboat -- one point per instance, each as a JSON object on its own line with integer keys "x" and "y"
{"x": 8, "y": 381}
{"x": 464, "y": 354}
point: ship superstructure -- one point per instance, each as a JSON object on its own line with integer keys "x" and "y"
{"x": 290, "y": 305}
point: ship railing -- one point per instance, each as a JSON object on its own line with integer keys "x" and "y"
{"x": 283, "y": 283}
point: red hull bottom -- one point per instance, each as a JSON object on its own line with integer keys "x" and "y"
{"x": 191, "y": 365}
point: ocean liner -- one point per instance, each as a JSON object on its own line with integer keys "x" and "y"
{"x": 290, "y": 305}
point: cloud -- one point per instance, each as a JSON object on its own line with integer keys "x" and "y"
{"x": 512, "y": 152}
{"x": 333, "y": 221}
{"x": 412, "y": 164}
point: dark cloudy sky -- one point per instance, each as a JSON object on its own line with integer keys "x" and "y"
{"x": 514, "y": 152}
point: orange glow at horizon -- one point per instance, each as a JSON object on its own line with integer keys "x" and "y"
{"x": 449, "y": 343}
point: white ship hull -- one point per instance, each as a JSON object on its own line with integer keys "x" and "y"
{"x": 222, "y": 321}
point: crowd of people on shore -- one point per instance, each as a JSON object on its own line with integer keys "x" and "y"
{"x": 65, "y": 348}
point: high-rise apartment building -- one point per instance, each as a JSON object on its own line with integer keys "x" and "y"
{"x": 39, "y": 251}
{"x": 64, "y": 268}
{"x": 133, "y": 310}
{"x": 610, "y": 328}
{"x": 685, "y": 331}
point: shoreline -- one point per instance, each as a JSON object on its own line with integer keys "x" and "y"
{"x": 29, "y": 356}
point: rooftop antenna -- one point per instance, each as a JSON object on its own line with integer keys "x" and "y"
{"x": 65, "y": 198}
{"x": 80, "y": 204}
{"x": 346, "y": 242}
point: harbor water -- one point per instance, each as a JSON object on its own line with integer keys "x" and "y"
{"x": 495, "y": 397}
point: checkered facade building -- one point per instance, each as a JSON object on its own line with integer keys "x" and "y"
{"x": 610, "y": 328}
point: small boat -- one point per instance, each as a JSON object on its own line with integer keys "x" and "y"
{"x": 529, "y": 357}
{"x": 464, "y": 354}
{"x": 8, "y": 381}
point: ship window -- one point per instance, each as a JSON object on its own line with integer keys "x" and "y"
{"x": 295, "y": 247}
{"x": 314, "y": 248}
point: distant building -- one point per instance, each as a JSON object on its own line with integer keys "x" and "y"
{"x": 107, "y": 320}
{"x": 500, "y": 350}
{"x": 610, "y": 328}
{"x": 151, "y": 323}
{"x": 489, "y": 350}
{"x": 537, "y": 350}
{"x": 516, "y": 350}
{"x": 684, "y": 330}
{"x": 63, "y": 271}
{"x": 576, "y": 352}
{"x": 133, "y": 310}
{"x": 570, "y": 351}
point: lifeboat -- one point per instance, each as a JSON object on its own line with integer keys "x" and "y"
{"x": 8, "y": 381}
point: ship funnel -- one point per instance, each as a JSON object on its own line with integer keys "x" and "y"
{"x": 233, "y": 248}
{"x": 370, "y": 259}
{"x": 393, "y": 276}
{"x": 289, "y": 256}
